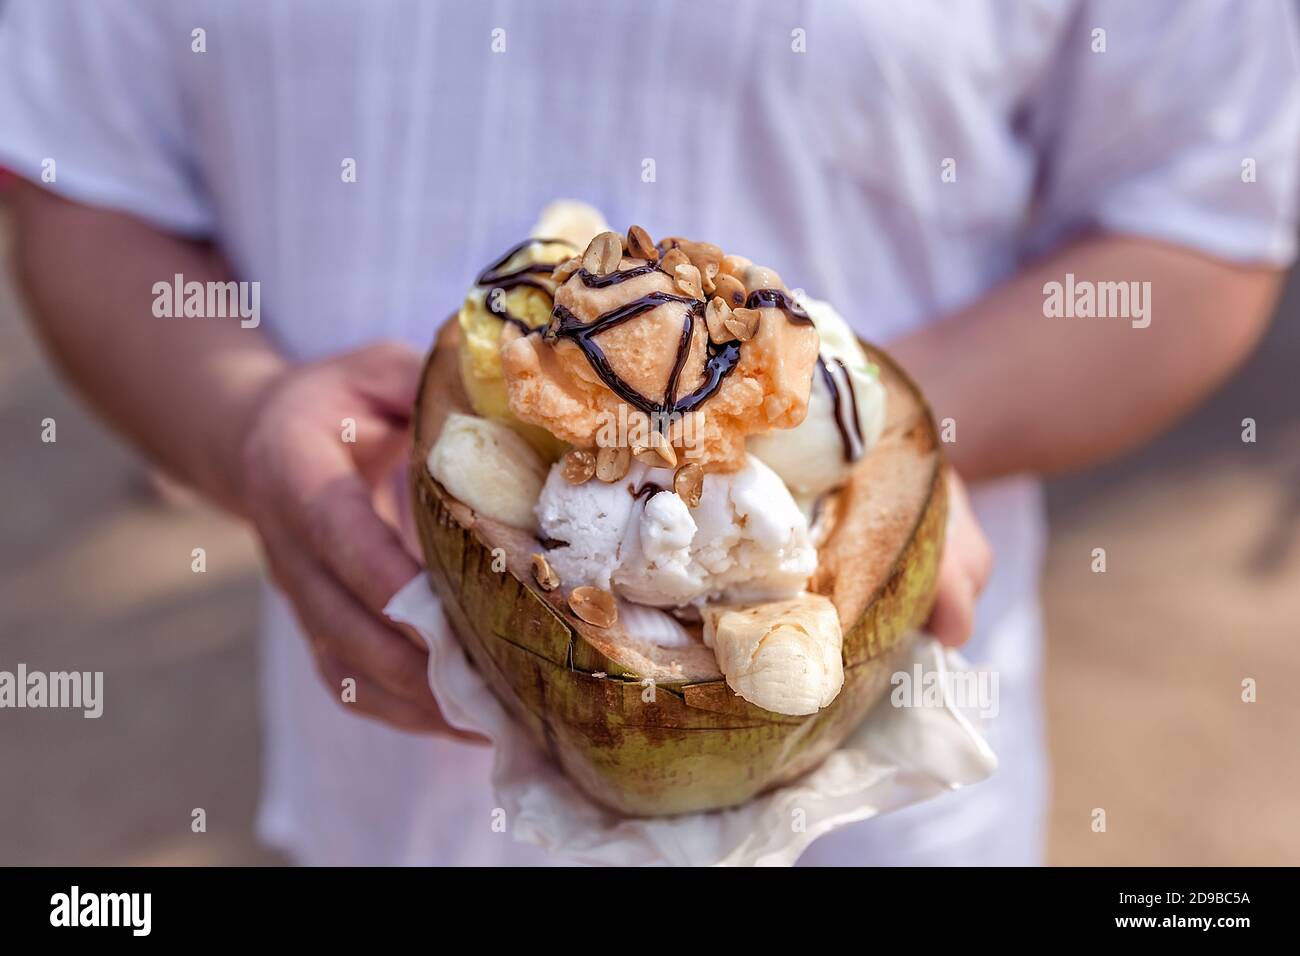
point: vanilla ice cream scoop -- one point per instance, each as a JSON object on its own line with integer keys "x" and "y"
{"x": 746, "y": 540}
{"x": 846, "y": 414}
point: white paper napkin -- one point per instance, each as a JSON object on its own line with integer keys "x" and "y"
{"x": 899, "y": 756}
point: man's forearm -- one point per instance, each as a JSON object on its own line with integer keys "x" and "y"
{"x": 1028, "y": 393}
{"x": 182, "y": 389}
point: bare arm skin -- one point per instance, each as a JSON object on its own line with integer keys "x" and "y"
{"x": 1033, "y": 394}
{"x": 88, "y": 276}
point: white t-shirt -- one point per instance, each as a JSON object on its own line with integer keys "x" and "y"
{"x": 898, "y": 159}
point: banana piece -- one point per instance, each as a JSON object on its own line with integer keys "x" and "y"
{"x": 570, "y": 219}
{"x": 783, "y": 656}
{"x": 488, "y": 466}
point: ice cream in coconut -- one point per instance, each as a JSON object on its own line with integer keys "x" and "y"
{"x": 670, "y": 438}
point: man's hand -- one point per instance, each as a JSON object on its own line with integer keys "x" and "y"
{"x": 963, "y": 569}
{"x": 311, "y": 497}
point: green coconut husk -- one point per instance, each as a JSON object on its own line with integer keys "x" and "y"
{"x": 649, "y": 732}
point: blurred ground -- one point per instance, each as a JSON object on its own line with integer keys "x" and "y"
{"x": 1202, "y": 535}
{"x": 1146, "y": 661}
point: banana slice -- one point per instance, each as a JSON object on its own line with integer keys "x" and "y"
{"x": 570, "y": 219}
{"x": 783, "y": 656}
{"x": 489, "y": 467}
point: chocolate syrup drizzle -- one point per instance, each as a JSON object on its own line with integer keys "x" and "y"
{"x": 852, "y": 452}
{"x": 778, "y": 299}
{"x": 721, "y": 362}
{"x": 617, "y": 277}
{"x": 721, "y": 359}
{"x": 646, "y": 491}
{"x": 494, "y": 279}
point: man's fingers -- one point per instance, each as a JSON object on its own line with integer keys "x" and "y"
{"x": 364, "y": 696}
{"x": 373, "y": 701}
{"x": 342, "y": 628}
{"x": 389, "y": 676}
{"x": 350, "y": 539}
{"x": 980, "y": 564}
{"x": 966, "y": 539}
{"x": 953, "y": 616}
{"x": 963, "y": 570}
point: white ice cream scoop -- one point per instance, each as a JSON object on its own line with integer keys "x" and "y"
{"x": 746, "y": 540}
{"x": 846, "y": 414}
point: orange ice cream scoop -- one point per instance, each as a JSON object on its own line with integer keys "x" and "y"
{"x": 651, "y": 342}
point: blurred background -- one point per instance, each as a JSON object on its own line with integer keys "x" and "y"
{"x": 1145, "y": 662}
